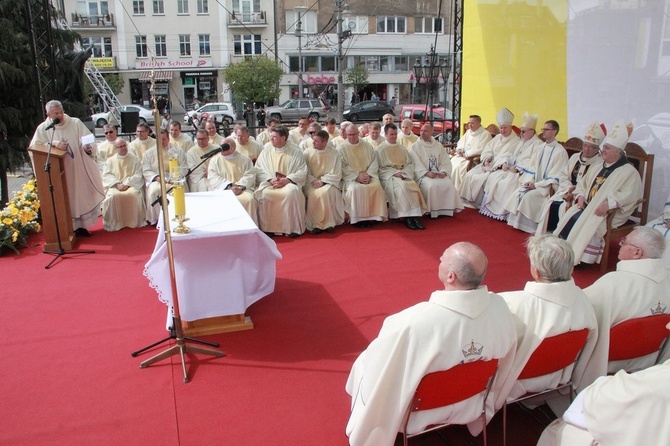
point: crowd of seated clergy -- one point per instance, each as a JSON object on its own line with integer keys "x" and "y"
{"x": 466, "y": 322}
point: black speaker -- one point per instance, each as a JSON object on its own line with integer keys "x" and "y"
{"x": 129, "y": 121}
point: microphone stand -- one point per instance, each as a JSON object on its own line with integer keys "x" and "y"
{"x": 60, "y": 252}
{"x": 190, "y": 171}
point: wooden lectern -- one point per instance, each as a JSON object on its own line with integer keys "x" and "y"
{"x": 60, "y": 195}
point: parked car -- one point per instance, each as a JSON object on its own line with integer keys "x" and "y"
{"x": 296, "y": 108}
{"x": 146, "y": 115}
{"x": 368, "y": 111}
{"x": 418, "y": 114}
{"x": 222, "y": 111}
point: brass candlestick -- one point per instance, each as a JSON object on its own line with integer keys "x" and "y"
{"x": 179, "y": 207}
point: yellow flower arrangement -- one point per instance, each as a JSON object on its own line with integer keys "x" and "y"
{"x": 20, "y": 217}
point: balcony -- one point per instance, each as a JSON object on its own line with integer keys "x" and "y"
{"x": 247, "y": 19}
{"x": 92, "y": 21}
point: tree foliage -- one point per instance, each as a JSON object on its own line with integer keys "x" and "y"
{"x": 357, "y": 78}
{"x": 20, "y": 108}
{"x": 254, "y": 79}
{"x": 114, "y": 80}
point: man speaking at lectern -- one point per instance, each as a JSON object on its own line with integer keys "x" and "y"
{"x": 84, "y": 183}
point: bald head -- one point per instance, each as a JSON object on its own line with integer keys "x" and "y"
{"x": 462, "y": 266}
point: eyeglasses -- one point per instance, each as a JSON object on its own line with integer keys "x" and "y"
{"x": 623, "y": 242}
{"x": 202, "y": 139}
{"x": 111, "y": 132}
{"x": 121, "y": 147}
{"x": 548, "y": 130}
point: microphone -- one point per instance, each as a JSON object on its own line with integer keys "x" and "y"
{"x": 53, "y": 124}
{"x": 211, "y": 153}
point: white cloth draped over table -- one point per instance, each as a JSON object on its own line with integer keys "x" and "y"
{"x": 222, "y": 266}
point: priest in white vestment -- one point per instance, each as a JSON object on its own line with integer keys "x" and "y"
{"x": 231, "y": 170}
{"x": 299, "y": 134}
{"x": 106, "y": 148}
{"x": 612, "y": 185}
{"x": 246, "y": 145}
{"x": 662, "y": 225}
{"x": 214, "y": 138}
{"x": 264, "y": 137}
{"x": 620, "y": 410}
{"x": 281, "y": 174}
{"x": 181, "y": 140}
{"x": 396, "y": 173}
{"x": 471, "y": 144}
{"x": 462, "y": 323}
{"x": 311, "y": 131}
{"x": 330, "y": 125}
{"x": 151, "y": 172}
{"x": 548, "y": 306}
{"x": 406, "y": 137}
{"x": 432, "y": 172}
{"x": 124, "y": 205}
{"x": 375, "y": 137}
{"x": 364, "y": 198}
{"x": 325, "y": 206}
{"x": 505, "y": 181}
{"x": 550, "y": 168}
{"x": 578, "y": 165}
{"x": 82, "y": 175}
{"x": 197, "y": 180}
{"x": 639, "y": 287}
{"x": 342, "y": 137}
{"x": 496, "y": 154}
{"x": 143, "y": 142}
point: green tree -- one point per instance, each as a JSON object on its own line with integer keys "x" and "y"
{"x": 20, "y": 110}
{"x": 357, "y": 78}
{"x": 114, "y": 80}
{"x": 254, "y": 79}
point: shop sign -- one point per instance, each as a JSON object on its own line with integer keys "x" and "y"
{"x": 103, "y": 62}
{"x": 172, "y": 63}
{"x": 318, "y": 79}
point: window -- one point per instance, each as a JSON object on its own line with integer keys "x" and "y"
{"x": 102, "y": 46}
{"x": 391, "y": 25}
{"x": 93, "y": 8}
{"x": 313, "y": 63}
{"x": 203, "y": 7}
{"x": 159, "y": 7}
{"x": 247, "y": 10}
{"x": 141, "y": 46}
{"x": 182, "y": 6}
{"x": 401, "y": 63}
{"x": 357, "y": 25}
{"x": 247, "y": 44}
{"x": 308, "y": 19}
{"x": 138, "y": 7}
{"x": 184, "y": 45}
{"x": 428, "y": 25}
{"x": 203, "y": 41}
{"x": 161, "y": 46}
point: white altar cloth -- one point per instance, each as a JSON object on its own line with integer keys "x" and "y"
{"x": 222, "y": 266}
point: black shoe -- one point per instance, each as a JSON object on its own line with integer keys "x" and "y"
{"x": 294, "y": 235}
{"x": 269, "y": 234}
{"x": 317, "y": 231}
{"x": 409, "y": 222}
{"x": 362, "y": 224}
{"x": 418, "y": 224}
{"x": 82, "y": 232}
{"x": 329, "y": 229}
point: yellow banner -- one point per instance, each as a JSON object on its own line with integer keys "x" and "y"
{"x": 103, "y": 62}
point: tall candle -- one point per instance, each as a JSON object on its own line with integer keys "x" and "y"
{"x": 179, "y": 200}
{"x": 174, "y": 168}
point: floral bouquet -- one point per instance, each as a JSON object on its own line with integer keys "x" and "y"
{"x": 20, "y": 217}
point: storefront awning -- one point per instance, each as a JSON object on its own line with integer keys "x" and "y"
{"x": 160, "y": 76}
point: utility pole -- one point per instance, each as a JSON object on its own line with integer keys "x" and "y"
{"x": 298, "y": 33}
{"x": 342, "y": 35}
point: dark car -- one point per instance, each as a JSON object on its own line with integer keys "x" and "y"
{"x": 368, "y": 111}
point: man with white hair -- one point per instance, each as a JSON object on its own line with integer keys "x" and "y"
{"x": 405, "y": 136}
{"x": 124, "y": 205}
{"x": 234, "y": 171}
{"x": 612, "y": 184}
{"x": 505, "y": 181}
{"x": 84, "y": 183}
{"x": 578, "y": 165}
{"x": 339, "y": 139}
{"x": 461, "y": 323}
{"x": 548, "y": 306}
{"x": 550, "y": 168}
{"x": 496, "y": 154}
{"x": 662, "y": 225}
{"x": 639, "y": 287}
{"x": 388, "y": 118}
{"x": 432, "y": 172}
{"x": 471, "y": 144}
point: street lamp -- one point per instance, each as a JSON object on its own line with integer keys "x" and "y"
{"x": 342, "y": 35}
{"x": 430, "y": 73}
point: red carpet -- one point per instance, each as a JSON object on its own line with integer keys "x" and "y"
{"x": 68, "y": 377}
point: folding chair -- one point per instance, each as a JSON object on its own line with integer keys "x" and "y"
{"x": 447, "y": 387}
{"x": 552, "y": 355}
{"x": 638, "y": 337}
